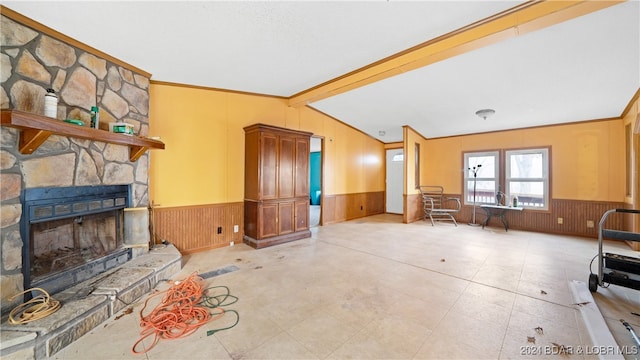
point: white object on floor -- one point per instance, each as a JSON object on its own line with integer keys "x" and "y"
{"x": 603, "y": 343}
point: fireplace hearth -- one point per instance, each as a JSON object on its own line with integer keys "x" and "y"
{"x": 71, "y": 234}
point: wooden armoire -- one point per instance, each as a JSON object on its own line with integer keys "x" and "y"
{"x": 276, "y": 185}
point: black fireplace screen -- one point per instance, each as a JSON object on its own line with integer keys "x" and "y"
{"x": 71, "y": 234}
{"x": 60, "y": 245}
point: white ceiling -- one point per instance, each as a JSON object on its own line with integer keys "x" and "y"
{"x": 582, "y": 69}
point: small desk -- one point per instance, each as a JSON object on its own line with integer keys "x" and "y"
{"x": 498, "y": 211}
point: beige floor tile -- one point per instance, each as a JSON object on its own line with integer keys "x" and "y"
{"x": 194, "y": 347}
{"x": 363, "y": 346}
{"x": 485, "y": 337}
{"x": 481, "y": 309}
{"x": 491, "y": 295}
{"x": 357, "y": 312}
{"x": 322, "y": 332}
{"x": 564, "y": 314}
{"x": 397, "y": 334}
{"x": 504, "y": 277}
{"x": 281, "y": 346}
{"x": 375, "y": 288}
{"x": 545, "y": 331}
{"x": 254, "y": 329}
{"x": 422, "y": 312}
{"x": 441, "y": 347}
{"x": 518, "y": 347}
{"x": 553, "y": 291}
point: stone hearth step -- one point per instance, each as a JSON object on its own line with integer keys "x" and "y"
{"x": 88, "y": 304}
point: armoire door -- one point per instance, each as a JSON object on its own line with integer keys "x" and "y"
{"x": 302, "y": 167}
{"x": 302, "y": 215}
{"x": 268, "y": 220}
{"x": 286, "y": 166}
{"x": 268, "y": 166}
{"x": 285, "y": 217}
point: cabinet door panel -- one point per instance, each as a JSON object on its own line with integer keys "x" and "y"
{"x": 268, "y": 223}
{"x": 268, "y": 167}
{"x": 302, "y": 167}
{"x": 286, "y": 217}
{"x": 302, "y": 215}
{"x": 286, "y": 167}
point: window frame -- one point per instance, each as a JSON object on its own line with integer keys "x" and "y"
{"x": 468, "y": 175}
{"x": 501, "y": 183}
{"x": 545, "y": 179}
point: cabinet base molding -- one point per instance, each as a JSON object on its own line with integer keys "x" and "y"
{"x": 275, "y": 240}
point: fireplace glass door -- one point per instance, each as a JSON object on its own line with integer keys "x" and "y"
{"x": 60, "y": 245}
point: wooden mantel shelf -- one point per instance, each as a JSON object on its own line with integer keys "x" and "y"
{"x": 35, "y": 129}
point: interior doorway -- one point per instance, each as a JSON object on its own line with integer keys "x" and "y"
{"x": 315, "y": 181}
{"x": 395, "y": 181}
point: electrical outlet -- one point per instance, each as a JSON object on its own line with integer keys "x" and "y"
{"x": 236, "y": 228}
{"x": 560, "y": 221}
{"x": 589, "y": 223}
{"x": 219, "y": 229}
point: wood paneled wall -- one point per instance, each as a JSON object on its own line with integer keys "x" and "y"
{"x": 194, "y": 228}
{"x": 338, "y": 208}
{"x": 574, "y": 214}
{"x": 415, "y": 209}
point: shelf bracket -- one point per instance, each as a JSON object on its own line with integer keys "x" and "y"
{"x": 136, "y": 151}
{"x": 31, "y": 139}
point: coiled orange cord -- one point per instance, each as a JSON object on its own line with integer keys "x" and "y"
{"x": 178, "y": 315}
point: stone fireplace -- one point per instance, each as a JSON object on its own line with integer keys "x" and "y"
{"x": 65, "y": 206}
{"x": 33, "y": 59}
{"x": 71, "y": 234}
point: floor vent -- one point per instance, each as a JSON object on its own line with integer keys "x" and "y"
{"x": 217, "y": 272}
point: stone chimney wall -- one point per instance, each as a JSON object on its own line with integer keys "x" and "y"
{"x": 31, "y": 61}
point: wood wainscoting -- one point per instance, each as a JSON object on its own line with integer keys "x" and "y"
{"x": 574, "y": 214}
{"x": 338, "y": 208}
{"x": 195, "y": 228}
{"x": 415, "y": 208}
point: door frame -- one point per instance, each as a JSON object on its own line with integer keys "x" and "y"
{"x": 400, "y": 199}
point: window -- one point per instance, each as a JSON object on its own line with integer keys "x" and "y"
{"x": 523, "y": 173}
{"x": 481, "y": 177}
{"x": 398, "y": 157}
{"x": 527, "y": 177}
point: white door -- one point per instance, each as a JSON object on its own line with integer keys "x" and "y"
{"x": 395, "y": 181}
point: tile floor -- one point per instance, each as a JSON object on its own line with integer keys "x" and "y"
{"x": 375, "y": 288}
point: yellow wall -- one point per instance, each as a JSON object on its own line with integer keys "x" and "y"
{"x": 203, "y": 162}
{"x": 587, "y": 158}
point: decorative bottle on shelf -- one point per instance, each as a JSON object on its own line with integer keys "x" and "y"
{"x": 515, "y": 201}
{"x": 51, "y": 104}
{"x": 95, "y": 117}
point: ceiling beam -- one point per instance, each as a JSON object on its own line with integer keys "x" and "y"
{"x": 519, "y": 20}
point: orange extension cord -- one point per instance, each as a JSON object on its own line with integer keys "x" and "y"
{"x": 178, "y": 315}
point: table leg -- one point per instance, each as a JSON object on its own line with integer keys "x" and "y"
{"x": 486, "y": 221}
{"x": 504, "y": 221}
